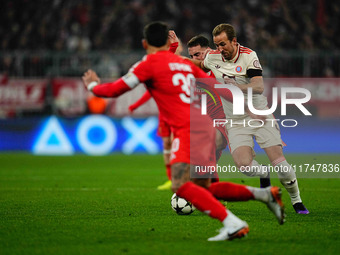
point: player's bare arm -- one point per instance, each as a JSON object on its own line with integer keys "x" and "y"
{"x": 256, "y": 83}
{"x": 198, "y": 63}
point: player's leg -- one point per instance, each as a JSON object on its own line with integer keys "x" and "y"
{"x": 228, "y": 191}
{"x": 164, "y": 132}
{"x": 243, "y": 154}
{"x": 244, "y": 160}
{"x": 221, "y": 143}
{"x": 241, "y": 146}
{"x": 166, "y": 158}
{"x": 204, "y": 201}
{"x": 271, "y": 196}
{"x": 202, "y": 154}
{"x": 287, "y": 177}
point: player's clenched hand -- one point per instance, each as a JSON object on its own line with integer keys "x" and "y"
{"x": 172, "y": 37}
{"x": 228, "y": 80}
{"x": 89, "y": 77}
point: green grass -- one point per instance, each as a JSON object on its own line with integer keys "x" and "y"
{"x": 110, "y": 205}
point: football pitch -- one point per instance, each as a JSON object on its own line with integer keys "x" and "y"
{"x": 110, "y": 205}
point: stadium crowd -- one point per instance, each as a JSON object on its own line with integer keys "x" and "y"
{"x": 116, "y": 24}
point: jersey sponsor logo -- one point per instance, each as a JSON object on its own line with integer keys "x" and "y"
{"x": 53, "y": 140}
{"x": 238, "y": 69}
{"x": 217, "y": 66}
{"x": 256, "y": 63}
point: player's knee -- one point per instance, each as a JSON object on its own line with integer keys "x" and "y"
{"x": 166, "y": 143}
{"x": 176, "y": 184}
{"x": 174, "y": 188}
{"x": 179, "y": 175}
{"x": 243, "y": 162}
{"x": 243, "y": 156}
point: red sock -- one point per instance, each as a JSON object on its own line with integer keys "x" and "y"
{"x": 168, "y": 171}
{"x": 230, "y": 191}
{"x": 202, "y": 200}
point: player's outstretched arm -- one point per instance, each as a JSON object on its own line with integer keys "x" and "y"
{"x": 112, "y": 89}
{"x": 198, "y": 63}
{"x": 256, "y": 83}
{"x": 146, "y": 96}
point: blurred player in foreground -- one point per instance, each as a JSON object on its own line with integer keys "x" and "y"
{"x": 167, "y": 77}
{"x": 240, "y": 66}
{"x": 163, "y": 130}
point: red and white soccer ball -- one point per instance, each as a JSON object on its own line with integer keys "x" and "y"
{"x": 181, "y": 206}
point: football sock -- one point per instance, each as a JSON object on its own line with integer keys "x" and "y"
{"x": 230, "y": 191}
{"x": 168, "y": 171}
{"x": 255, "y": 169}
{"x": 259, "y": 194}
{"x": 288, "y": 179}
{"x": 203, "y": 200}
{"x": 231, "y": 219}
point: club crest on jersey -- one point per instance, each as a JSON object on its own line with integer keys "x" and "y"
{"x": 238, "y": 69}
{"x": 257, "y": 64}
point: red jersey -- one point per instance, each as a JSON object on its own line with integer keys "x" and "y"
{"x": 167, "y": 77}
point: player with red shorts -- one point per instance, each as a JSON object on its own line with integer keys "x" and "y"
{"x": 164, "y": 130}
{"x": 198, "y": 46}
{"x": 167, "y": 77}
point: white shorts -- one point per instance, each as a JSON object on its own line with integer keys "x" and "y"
{"x": 246, "y": 130}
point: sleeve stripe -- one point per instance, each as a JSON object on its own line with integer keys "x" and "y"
{"x": 131, "y": 80}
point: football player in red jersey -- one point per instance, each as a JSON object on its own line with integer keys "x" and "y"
{"x": 198, "y": 46}
{"x": 164, "y": 130}
{"x": 167, "y": 77}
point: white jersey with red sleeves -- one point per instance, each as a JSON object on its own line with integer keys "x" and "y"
{"x": 167, "y": 77}
{"x": 236, "y": 68}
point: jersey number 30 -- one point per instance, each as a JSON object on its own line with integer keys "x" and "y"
{"x": 184, "y": 81}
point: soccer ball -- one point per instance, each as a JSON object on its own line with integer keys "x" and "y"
{"x": 181, "y": 206}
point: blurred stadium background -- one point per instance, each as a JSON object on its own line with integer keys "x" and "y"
{"x": 47, "y": 45}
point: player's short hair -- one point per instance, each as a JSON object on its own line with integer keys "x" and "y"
{"x": 227, "y": 28}
{"x": 198, "y": 40}
{"x": 156, "y": 33}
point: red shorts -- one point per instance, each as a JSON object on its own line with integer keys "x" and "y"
{"x": 194, "y": 145}
{"x": 180, "y": 146}
{"x": 164, "y": 129}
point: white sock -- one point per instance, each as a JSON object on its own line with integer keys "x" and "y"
{"x": 255, "y": 169}
{"x": 259, "y": 194}
{"x": 288, "y": 179}
{"x": 231, "y": 219}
